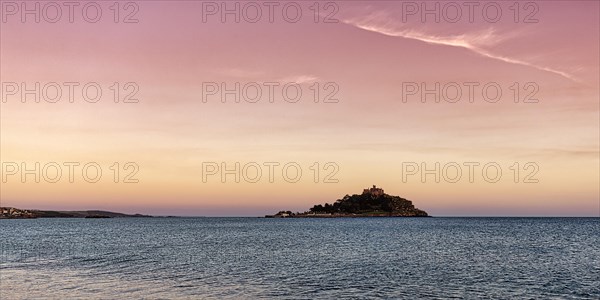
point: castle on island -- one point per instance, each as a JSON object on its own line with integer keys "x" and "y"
{"x": 374, "y": 191}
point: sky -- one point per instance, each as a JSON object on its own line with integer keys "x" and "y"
{"x": 177, "y": 108}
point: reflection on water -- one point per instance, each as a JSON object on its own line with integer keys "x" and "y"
{"x": 166, "y": 258}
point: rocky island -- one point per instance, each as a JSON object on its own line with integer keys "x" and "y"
{"x": 373, "y": 202}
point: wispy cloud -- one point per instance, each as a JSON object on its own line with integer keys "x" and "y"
{"x": 299, "y": 79}
{"x": 261, "y": 75}
{"x": 476, "y": 42}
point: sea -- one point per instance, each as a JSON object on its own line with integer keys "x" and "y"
{"x": 259, "y": 258}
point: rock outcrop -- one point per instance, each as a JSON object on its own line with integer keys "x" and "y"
{"x": 372, "y": 202}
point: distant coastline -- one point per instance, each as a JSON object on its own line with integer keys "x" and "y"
{"x": 16, "y": 213}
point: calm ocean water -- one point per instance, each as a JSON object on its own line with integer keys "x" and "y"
{"x": 199, "y": 258}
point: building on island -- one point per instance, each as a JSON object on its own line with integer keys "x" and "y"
{"x": 374, "y": 191}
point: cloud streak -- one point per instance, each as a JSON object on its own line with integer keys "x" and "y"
{"x": 260, "y": 75}
{"x": 300, "y": 79}
{"x": 474, "y": 42}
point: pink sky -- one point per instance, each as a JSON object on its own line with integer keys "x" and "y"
{"x": 369, "y": 133}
